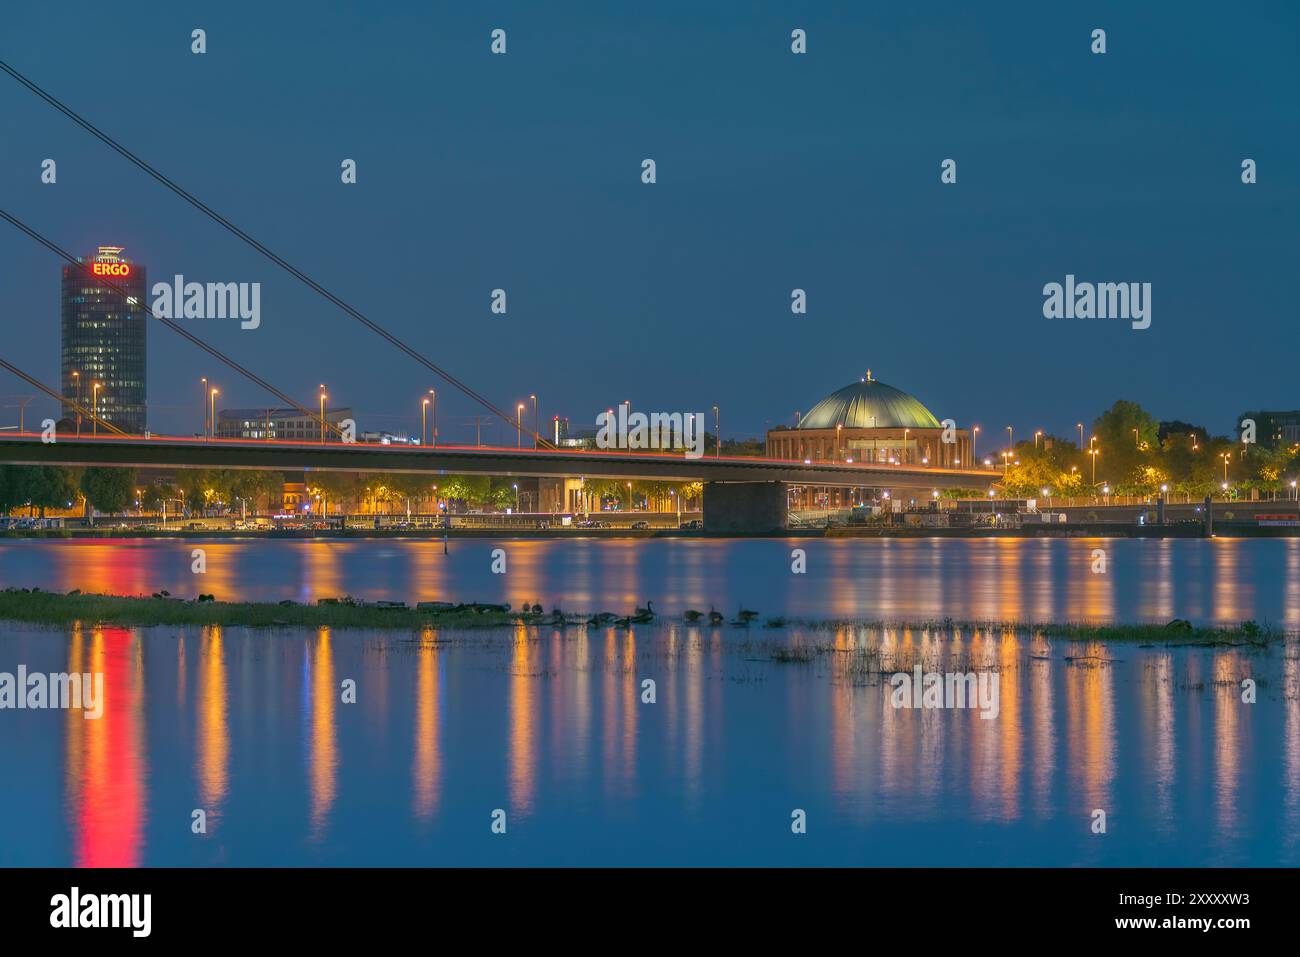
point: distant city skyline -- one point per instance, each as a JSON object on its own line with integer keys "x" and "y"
{"x": 775, "y": 172}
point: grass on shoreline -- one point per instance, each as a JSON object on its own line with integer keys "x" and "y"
{"x": 51, "y": 608}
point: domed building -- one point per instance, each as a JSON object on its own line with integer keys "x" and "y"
{"x": 871, "y": 423}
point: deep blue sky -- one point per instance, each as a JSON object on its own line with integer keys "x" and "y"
{"x": 775, "y": 171}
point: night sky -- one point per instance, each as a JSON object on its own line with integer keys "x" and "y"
{"x": 775, "y": 171}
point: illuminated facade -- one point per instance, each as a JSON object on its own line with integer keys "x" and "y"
{"x": 871, "y": 423}
{"x": 283, "y": 425}
{"x": 103, "y": 340}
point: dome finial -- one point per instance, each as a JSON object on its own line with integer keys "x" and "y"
{"x": 868, "y": 375}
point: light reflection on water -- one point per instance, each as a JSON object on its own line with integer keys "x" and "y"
{"x": 1218, "y": 580}
{"x": 550, "y": 727}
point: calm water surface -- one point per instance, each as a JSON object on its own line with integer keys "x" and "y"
{"x": 1220, "y": 580}
{"x": 550, "y": 726}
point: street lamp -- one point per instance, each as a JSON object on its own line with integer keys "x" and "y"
{"x": 975, "y": 434}
{"x": 535, "y": 432}
{"x": 839, "y": 447}
{"x": 94, "y": 409}
{"x": 204, "y": 382}
{"x": 516, "y": 488}
{"x": 76, "y": 376}
{"x": 212, "y": 410}
{"x": 1094, "y": 453}
{"x": 323, "y": 397}
{"x": 519, "y": 426}
{"x": 1136, "y": 443}
{"x": 1036, "y": 435}
{"x": 1011, "y": 442}
{"x": 717, "y": 427}
{"x": 424, "y": 414}
{"x": 433, "y": 400}
{"x": 1225, "y": 456}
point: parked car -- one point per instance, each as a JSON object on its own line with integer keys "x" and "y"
{"x": 694, "y": 524}
{"x": 640, "y": 525}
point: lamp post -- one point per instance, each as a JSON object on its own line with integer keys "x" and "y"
{"x": 433, "y": 401}
{"x": 212, "y": 410}
{"x": 515, "y": 486}
{"x": 1093, "y": 453}
{"x": 323, "y": 397}
{"x": 1080, "y": 426}
{"x": 535, "y": 433}
{"x": 1226, "y": 456}
{"x": 1036, "y": 435}
{"x": 839, "y": 446}
{"x": 94, "y": 410}
{"x": 76, "y": 377}
{"x": 519, "y": 426}
{"x": 204, "y": 382}
{"x": 717, "y": 426}
{"x": 424, "y": 413}
{"x": 629, "y": 496}
{"x": 975, "y": 434}
{"x": 1136, "y": 443}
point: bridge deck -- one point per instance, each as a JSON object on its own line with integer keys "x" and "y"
{"x": 176, "y": 452}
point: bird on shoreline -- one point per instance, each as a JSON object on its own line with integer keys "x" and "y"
{"x": 647, "y": 612}
{"x": 715, "y": 617}
{"x": 746, "y": 615}
{"x": 692, "y": 615}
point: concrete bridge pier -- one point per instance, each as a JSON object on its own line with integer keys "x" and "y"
{"x": 745, "y": 506}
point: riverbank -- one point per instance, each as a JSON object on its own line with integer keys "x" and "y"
{"x": 1080, "y": 530}
{"x": 51, "y": 608}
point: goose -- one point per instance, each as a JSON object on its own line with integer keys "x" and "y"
{"x": 648, "y": 611}
{"x": 746, "y": 615}
{"x": 715, "y": 617}
{"x": 601, "y": 618}
{"x": 692, "y": 615}
{"x": 777, "y": 622}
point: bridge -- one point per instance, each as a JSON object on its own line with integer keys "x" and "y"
{"x": 740, "y": 493}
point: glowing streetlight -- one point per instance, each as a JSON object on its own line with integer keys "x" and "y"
{"x": 1225, "y": 456}
{"x": 433, "y": 401}
{"x": 204, "y": 394}
{"x": 519, "y": 426}
{"x": 974, "y": 437}
{"x": 424, "y": 412}
{"x": 1036, "y": 437}
{"x": 717, "y": 427}
{"x": 1079, "y": 425}
{"x": 323, "y": 397}
{"x": 535, "y": 433}
{"x": 212, "y": 409}
{"x": 94, "y": 409}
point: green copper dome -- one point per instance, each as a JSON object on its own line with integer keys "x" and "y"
{"x": 869, "y": 404}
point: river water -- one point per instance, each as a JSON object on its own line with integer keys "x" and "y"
{"x": 749, "y": 730}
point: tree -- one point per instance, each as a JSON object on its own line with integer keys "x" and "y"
{"x": 109, "y": 490}
{"x": 1120, "y": 450}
